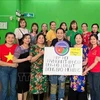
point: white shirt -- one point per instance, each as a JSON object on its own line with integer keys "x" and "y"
{"x": 19, "y": 32}
{"x": 99, "y": 38}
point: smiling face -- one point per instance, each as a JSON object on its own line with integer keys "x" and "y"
{"x": 74, "y": 26}
{"x": 84, "y": 27}
{"x": 60, "y": 34}
{"x": 63, "y": 26}
{"x": 53, "y": 26}
{"x": 78, "y": 39}
{"x": 27, "y": 39}
{"x": 40, "y": 39}
{"x": 93, "y": 40}
{"x": 34, "y": 28}
{"x": 44, "y": 28}
{"x": 22, "y": 24}
{"x": 94, "y": 28}
{"x": 10, "y": 39}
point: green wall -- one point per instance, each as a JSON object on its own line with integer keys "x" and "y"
{"x": 48, "y": 10}
{"x": 8, "y": 8}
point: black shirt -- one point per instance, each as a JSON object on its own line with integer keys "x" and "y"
{"x": 54, "y": 41}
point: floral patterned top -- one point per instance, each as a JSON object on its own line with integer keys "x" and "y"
{"x": 86, "y": 38}
{"x": 77, "y": 83}
{"x": 38, "y": 81}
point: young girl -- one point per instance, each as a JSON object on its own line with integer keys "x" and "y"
{"x": 8, "y": 71}
{"x": 21, "y": 56}
{"x": 38, "y": 81}
{"x": 54, "y": 79}
{"x": 77, "y": 90}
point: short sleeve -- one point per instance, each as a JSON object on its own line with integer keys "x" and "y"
{"x": 98, "y": 52}
{"x": 98, "y": 36}
{"x": 17, "y": 52}
{"x": 32, "y": 51}
{"x": 48, "y": 36}
{"x": 16, "y": 32}
{"x": 68, "y": 33}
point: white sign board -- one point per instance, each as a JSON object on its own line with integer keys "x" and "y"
{"x": 69, "y": 64}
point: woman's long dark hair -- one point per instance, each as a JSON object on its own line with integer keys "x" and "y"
{"x": 33, "y": 25}
{"x": 72, "y": 22}
{"x": 65, "y": 25}
{"x": 96, "y": 37}
{"x": 41, "y": 27}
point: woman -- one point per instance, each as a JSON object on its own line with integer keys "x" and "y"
{"x": 51, "y": 34}
{"x": 19, "y": 32}
{"x": 85, "y": 34}
{"x": 38, "y": 81}
{"x": 95, "y": 28}
{"x": 34, "y": 31}
{"x": 63, "y": 25}
{"x": 8, "y": 71}
{"x": 77, "y": 90}
{"x": 94, "y": 68}
{"x": 73, "y": 30}
{"x": 54, "y": 79}
{"x": 44, "y": 28}
{"x": 21, "y": 56}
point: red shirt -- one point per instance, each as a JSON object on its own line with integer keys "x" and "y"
{"x": 91, "y": 58}
{"x": 86, "y": 40}
{"x": 6, "y": 53}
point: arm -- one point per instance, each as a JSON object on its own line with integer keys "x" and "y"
{"x": 41, "y": 52}
{"x": 17, "y": 41}
{"x": 16, "y": 60}
{"x": 48, "y": 39}
{"x": 17, "y": 54}
{"x": 2, "y": 63}
{"x": 85, "y": 62}
{"x": 49, "y": 43}
{"x": 91, "y": 67}
{"x": 16, "y": 32}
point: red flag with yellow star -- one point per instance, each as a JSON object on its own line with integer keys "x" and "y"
{"x": 6, "y": 53}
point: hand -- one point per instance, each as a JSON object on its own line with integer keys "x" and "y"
{"x": 84, "y": 63}
{"x": 14, "y": 65}
{"x": 41, "y": 52}
{"x": 85, "y": 73}
{"x": 29, "y": 58}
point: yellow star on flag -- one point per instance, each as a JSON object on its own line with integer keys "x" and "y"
{"x": 9, "y": 57}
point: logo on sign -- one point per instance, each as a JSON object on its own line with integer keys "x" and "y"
{"x": 61, "y": 48}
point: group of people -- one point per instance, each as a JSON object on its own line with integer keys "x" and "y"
{"x": 21, "y": 62}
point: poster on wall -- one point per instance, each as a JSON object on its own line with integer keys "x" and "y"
{"x": 62, "y": 60}
{"x": 3, "y": 25}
